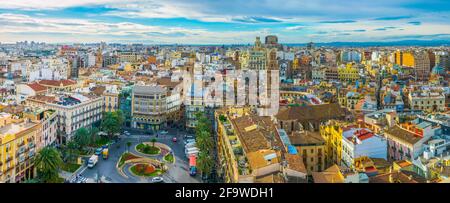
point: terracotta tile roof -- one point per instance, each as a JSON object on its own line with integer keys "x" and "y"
{"x": 37, "y": 87}
{"x": 257, "y": 159}
{"x": 295, "y": 163}
{"x": 330, "y": 175}
{"x": 306, "y": 138}
{"x": 98, "y": 90}
{"x": 57, "y": 82}
{"x": 48, "y": 99}
{"x": 167, "y": 82}
{"x": 398, "y": 177}
{"x": 314, "y": 112}
{"x": 263, "y": 137}
{"x": 403, "y": 134}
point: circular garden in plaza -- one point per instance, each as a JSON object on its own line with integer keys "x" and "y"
{"x": 149, "y": 149}
{"x": 145, "y": 169}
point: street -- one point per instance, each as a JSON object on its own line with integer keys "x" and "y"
{"x": 177, "y": 172}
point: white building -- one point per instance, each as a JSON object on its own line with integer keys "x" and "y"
{"x": 75, "y": 111}
{"x": 361, "y": 142}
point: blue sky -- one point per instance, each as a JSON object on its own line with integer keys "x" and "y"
{"x": 222, "y": 21}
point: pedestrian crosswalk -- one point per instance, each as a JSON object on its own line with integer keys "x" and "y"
{"x": 79, "y": 179}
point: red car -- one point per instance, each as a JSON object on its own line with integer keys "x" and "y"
{"x": 174, "y": 139}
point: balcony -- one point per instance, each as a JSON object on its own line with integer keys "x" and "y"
{"x": 9, "y": 169}
{"x": 20, "y": 144}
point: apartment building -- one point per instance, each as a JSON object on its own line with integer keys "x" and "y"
{"x": 74, "y": 111}
{"x": 149, "y": 107}
{"x": 20, "y": 140}
{"x": 249, "y": 147}
{"x": 311, "y": 148}
{"x": 427, "y": 100}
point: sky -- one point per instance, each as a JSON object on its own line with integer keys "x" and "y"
{"x": 222, "y": 21}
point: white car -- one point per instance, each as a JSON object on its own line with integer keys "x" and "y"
{"x": 157, "y": 180}
{"x": 163, "y": 132}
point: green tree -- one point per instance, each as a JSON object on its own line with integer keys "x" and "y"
{"x": 70, "y": 151}
{"x": 48, "y": 162}
{"x": 153, "y": 141}
{"x": 205, "y": 143}
{"x": 94, "y": 135}
{"x": 112, "y": 123}
{"x": 205, "y": 163}
{"x": 82, "y": 137}
{"x": 33, "y": 180}
{"x": 128, "y": 145}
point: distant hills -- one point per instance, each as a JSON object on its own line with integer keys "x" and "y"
{"x": 380, "y": 44}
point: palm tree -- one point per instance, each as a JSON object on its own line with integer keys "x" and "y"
{"x": 128, "y": 145}
{"x": 204, "y": 141}
{"x": 70, "y": 151}
{"x": 205, "y": 163}
{"x": 153, "y": 142}
{"x": 48, "y": 162}
{"x": 94, "y": 135}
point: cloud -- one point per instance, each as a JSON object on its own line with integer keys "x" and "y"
{"x": 338, "y": 21}
{"x": 298, "y": 27}
{"x": 393, "y": 18}
{"x": 415, "y": 23}
{"x": 386, "y": 28}
{"x": 256, "y": 20}
{"x": 220, "y": 21}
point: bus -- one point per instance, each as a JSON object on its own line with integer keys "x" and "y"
{"x": 192, "y": 165}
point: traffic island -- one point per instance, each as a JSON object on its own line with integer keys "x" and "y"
{"x": 148, "y": 149}
{"x": 145, "y": 170}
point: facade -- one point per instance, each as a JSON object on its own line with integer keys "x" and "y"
{"x": 74, "y": 111}
{"x": 427, "y": 100}
{"x": 348, "y": 73}
{"x": 149, "y": 107}
{"x": 21, "y": 139}
{"x": 311, "y": 148}
{"x": 332, "y": 134}
{"x": 405, "y": 141}
{"x": 130, "y": 57}
{"x": 361, "y": 142}
{"x": 111, "y": 99}
{"x": 422, "y": 65}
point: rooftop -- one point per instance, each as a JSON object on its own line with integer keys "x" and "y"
{"x": 257, "y": 133}
{"x": 14, "y": 128}
{"x": 306, "y": 138}
{"x": 402, "y": 134}
{"x": 315, "y": 112}
{"x": 148, "y": 90}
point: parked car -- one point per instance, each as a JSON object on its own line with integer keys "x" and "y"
{"x": 157, "y": 180}
{"x": 163, "y": 132}
{"x": 98, "y": 151}
{"x": 188, "y": 141}
{"x": 186, "y": 137}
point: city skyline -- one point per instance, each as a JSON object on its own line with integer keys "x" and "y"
{"x": 230, "y": 22}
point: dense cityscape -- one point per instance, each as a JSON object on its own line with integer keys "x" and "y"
{"x": 133, "y": 113}
{"x": 235, "y": 91}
